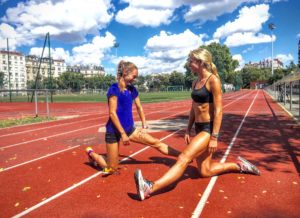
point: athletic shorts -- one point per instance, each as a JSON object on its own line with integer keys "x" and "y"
{"x": 206, "y": 127}
{"x": 111, "y": 138}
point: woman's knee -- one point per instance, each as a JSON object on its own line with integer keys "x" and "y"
{"x": 184, "y": 159}
{"x": 205, "y": 172}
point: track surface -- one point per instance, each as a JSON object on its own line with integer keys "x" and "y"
{"x": 44, "y": 170}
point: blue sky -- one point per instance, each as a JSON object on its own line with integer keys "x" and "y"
{"x": 157, "y": 35}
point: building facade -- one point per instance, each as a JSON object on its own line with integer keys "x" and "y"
{"x": 32, "y": 65}
{"x": 16, "y": 67}
{"x": 277, "y": 64}
{"x": 87, "y": 70}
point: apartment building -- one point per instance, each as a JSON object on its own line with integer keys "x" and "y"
{"x": 87, "y": 70}
{"x": 32, "y": 65}
{"x": 277, "y": 64}
{"x": 16, "y": 67}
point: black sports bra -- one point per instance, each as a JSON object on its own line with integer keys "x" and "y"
{"x": 202, "y": 95}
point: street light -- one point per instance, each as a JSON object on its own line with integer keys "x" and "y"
{"x": 272, "y": 27}
{"x": 116, "y": 45}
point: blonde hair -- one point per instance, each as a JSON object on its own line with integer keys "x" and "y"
{"x": 205, "y": 57}
{"x": 124, "y": 68}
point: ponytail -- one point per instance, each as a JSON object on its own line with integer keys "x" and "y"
{"x": 124, "y": 68}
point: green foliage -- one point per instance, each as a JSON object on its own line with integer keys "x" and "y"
{"x": 222, "y": 58}
{"x": 22, "y": 121}
{"x": 1, "y": 79}
{"x": 176, "y": 79}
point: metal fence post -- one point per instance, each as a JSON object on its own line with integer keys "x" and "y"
{"x": 36, "y": 103}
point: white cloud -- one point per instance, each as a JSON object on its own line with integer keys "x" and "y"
{"x": 250, "y": 19}
{"x": 298, "y": 35}
{"x": 70, "y": 20}
{"x": 139, "y": 17}
{"x": 166, "y": 52}
{"x": 238, "y": 39}
{"x": 285, "y": 58}
{"x": 210, "y": 9}
{"x": 168, "y": 47}
{"x": 89, "y": 53}
{"x": 240, "y": 59}
{"x": 248, "y": 49}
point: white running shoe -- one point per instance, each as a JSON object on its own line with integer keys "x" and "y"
{"x": 143, "y": 186}
{"x": 247, "y": 167}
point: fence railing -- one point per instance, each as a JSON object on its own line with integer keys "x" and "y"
{"x": 287, "y": 93}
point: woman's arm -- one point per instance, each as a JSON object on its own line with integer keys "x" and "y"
{"x": 140, "y": 111}
{"x": 112, "y": 104}
{"x": 215, "y": 86}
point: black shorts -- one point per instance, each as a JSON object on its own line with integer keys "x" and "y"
{"x": 111, "y": 138}
{"x": 206, "y": 127}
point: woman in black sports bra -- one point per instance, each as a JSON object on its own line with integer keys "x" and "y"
{"x": 206, "y": 114}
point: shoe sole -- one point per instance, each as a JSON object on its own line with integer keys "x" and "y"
{"x": 253, "y": 167}
{"x": 138, "y": 178}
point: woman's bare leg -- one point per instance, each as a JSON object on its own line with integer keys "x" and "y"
{"x": 112, "y": 155}
{"x": 100, "y": 160}
{"x": 141, "y": 136}
{"x": 197, "y": 146}
{"x": 207, "y": 168}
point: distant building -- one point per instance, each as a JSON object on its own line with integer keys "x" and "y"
{"x": 258, "y": 84}
{"x": 16, "y": 69}
{"x": 277, "y": 64}
{"x": 87, "y": 70}
{"x": 32, "y": 65}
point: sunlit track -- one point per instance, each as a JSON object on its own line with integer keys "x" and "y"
{"x": 240, "y": 97}
{"x": 68, "y": 132}
{"x": 86, "y": 180}
{"x": 197, "y": 212}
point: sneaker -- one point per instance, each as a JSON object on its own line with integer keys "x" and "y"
{"x": 247, "y": 167}
{"x": 143, "y": 186}
{"x": 110, "y": 171}
{"x": 88, "y": 151}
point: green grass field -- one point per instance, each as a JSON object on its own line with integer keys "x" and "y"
{"x": 144, "y": 96}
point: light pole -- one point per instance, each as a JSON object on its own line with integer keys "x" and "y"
{"x": 116, "y": 45}
{"x": 272, "y": 27}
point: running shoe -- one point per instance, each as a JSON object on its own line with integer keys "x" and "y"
{"x": 247, "y": 167}
{"x": 143, "y": 186}
{"x": 88, "y": 151}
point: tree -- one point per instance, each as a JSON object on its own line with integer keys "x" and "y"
{"x": 1, "y": 79}
{"x": 176, "y": 79}
{"x": 222, "y": 58}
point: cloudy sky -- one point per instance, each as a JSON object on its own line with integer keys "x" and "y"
{"x": 157, "y": 35}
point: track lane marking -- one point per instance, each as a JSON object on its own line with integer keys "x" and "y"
{"x": 199, "y": 208}
{"x": 99, "y": 173}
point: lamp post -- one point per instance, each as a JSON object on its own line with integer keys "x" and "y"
{"x": 116, "y": 45}
{"x": 272, "y": 27}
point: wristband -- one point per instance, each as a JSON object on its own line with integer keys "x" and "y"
{"x": 215, "y": 135}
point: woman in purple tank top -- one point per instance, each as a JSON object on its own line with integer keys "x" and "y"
{"x": 120, "y": 125}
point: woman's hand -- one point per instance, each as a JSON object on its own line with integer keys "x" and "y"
{"x": 213, "y": 144}
{"x": 187, "y": 137}
{"x": 125, "y": 139}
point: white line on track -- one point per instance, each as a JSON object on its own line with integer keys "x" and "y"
{"x": 99, "y": 173}
{"x": 64, "y": 133}
{"x": 48, "y": 155}
{"x": 81, "y": 182}
{"x": 197, "y": 212}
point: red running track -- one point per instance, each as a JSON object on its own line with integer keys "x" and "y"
{"x": 44, "y": 171}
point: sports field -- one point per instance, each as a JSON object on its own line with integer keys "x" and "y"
{"x": 45, "y": 171}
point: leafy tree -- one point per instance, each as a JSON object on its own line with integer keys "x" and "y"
{"x": 1, "y": 79}
{"x": 176, "y": 79}
{"x": 71, "y": 80}
{"x": 222, "y": 58}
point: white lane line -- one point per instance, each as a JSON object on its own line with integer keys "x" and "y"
{"x": 95, "y": 175}
{"x": 64, "y": 133}
{"x": 39, "y": 158}
{"x": 48, "y": 127}
{"x": 197, "y": 212}
{"x": 81, "y": 182}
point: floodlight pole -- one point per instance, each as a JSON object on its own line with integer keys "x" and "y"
{"x": 272, "y": 27}
{"x": 116, "y": 45}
